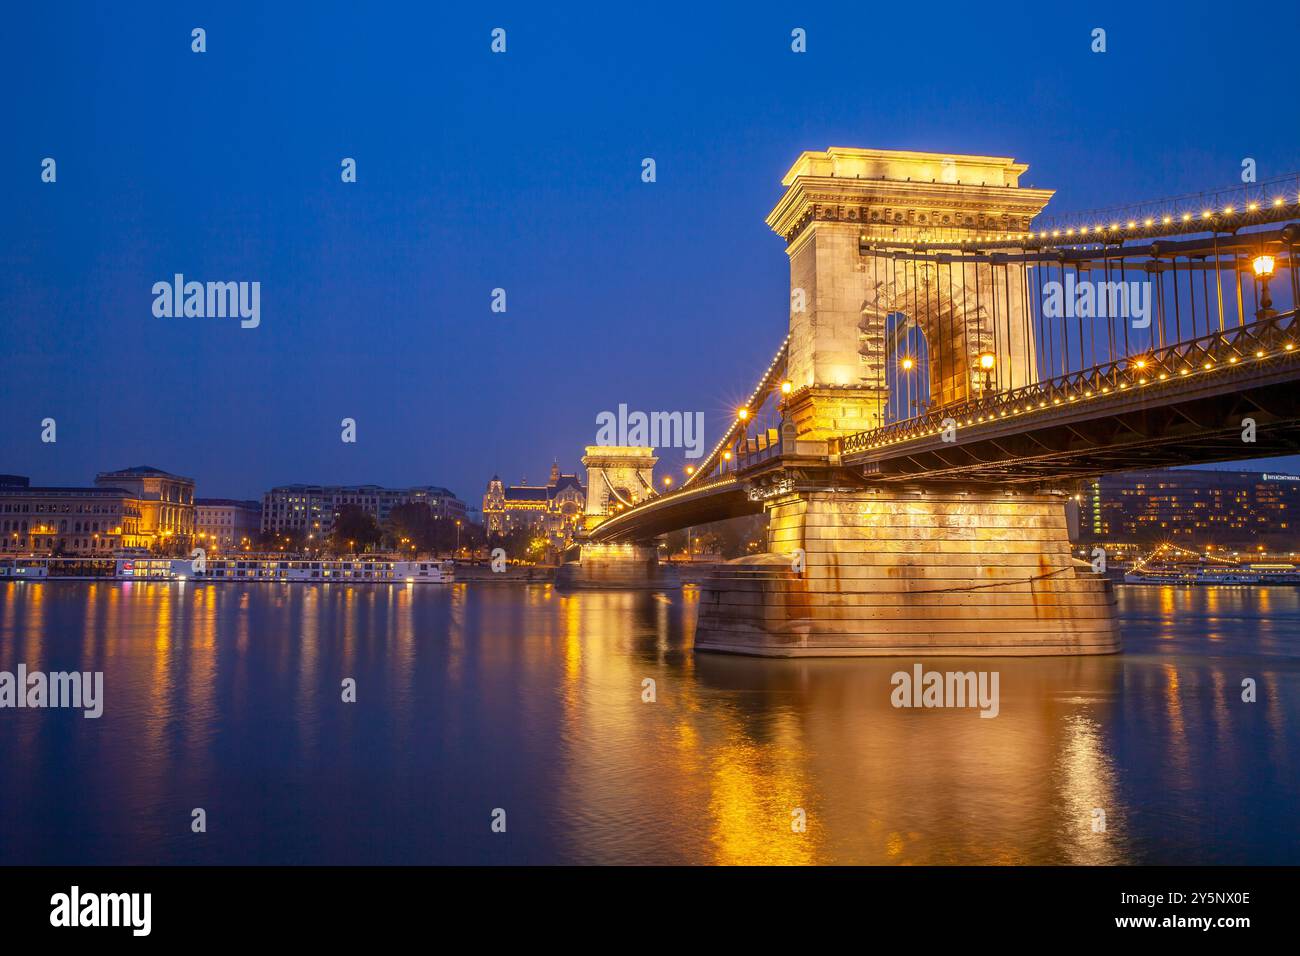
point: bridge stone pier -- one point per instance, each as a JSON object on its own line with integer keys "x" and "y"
{"x": 929, "y": 570}
{"x": 926, "y": 568}
{"x": 618, "y": 477}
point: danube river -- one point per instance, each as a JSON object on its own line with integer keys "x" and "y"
{"x": 474, "y": 699}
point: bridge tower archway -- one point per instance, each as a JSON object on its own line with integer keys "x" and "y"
{"x": 618, "y": 477}
{"x": 854, "y": 222}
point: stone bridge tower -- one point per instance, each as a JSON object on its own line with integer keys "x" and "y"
{"x": 840, "y": 206}
{"x": 924, "y": 568}
{"x": 617, "y": 475}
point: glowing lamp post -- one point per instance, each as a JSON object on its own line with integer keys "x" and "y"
{"x": 987, "y": 361}
{"x": 1263, "y": 266}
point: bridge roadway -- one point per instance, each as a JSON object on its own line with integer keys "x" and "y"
{"x": 1181, "y": 405}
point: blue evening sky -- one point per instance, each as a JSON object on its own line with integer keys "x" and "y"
{"x": 519, "y": 171}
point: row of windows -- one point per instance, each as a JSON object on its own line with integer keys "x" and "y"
{"x": 77, "y": 544}
{"x": 41, "y": 509}
{"x": 78, "y": 527}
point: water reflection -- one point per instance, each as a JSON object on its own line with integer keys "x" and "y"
{"x": 472, "y": 698}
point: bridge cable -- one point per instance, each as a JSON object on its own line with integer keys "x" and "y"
{"x": 1006, "y": 286}
{"x": 891, "y": 393}
{"x": 1110, "y": 319}
{"x": 1031, "y": 367}
{"x": 1127, "y": 349}
{"x": 1236, "y": 271}
{"x": 1047, "y": 347}
{"x": 1205, "y": 291}
{"x": 982, "y": 335}
{"x": 1218, "y": 280}
{"x": 948, "y": 340}
{"x": 1083, "y": 355}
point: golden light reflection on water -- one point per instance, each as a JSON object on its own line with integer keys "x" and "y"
{"x": 712, "y": 771}
{"x": 755, "y": 792}
{"x": 1178, "y": 755}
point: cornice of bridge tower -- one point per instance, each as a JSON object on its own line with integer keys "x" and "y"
{"x": 893, "y": 188}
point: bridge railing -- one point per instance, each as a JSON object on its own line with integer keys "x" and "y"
{"x": 685, "y": 491}
{"x": 1255, "y": 342}
{"x": 758, "y": 448}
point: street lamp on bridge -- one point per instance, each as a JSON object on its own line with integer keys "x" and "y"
{"x": 1263, "y": 265}
{"x": 987, "y": 360}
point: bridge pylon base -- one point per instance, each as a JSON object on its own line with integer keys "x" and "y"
{"x": 910, "y": 572}
{"x": 617, "y": 566}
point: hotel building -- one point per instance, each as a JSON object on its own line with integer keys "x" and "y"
{"x": 1193, "y": 508}
{"x": 555, "y": 508}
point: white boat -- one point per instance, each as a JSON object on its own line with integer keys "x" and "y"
{"x": 1217, "y": 576}
{"x": 24, "y": 569}
{"x": 143, "y": 567}
{"x": 378, "y": 570}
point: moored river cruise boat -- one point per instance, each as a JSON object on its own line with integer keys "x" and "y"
{"x": 1239, "y": 576}
{"x": 360, "y": 570}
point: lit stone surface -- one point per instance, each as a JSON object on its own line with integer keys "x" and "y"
{"x": 620, "y": 566}
{"x": 618, "y": 476}
{"x": 902, "y": 573}
{"x": 838, "y": 198}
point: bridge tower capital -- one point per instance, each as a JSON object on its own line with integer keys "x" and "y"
{"x": 842, "y": 207}
{"x": 618, "y": 476}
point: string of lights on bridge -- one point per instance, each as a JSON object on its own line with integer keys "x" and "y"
{"x": 1140, "y": 365}
{"x": 1180, "y": 215}
{"x": 1142, "y": 563}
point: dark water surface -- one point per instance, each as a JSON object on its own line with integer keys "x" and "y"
{"x": 472, "y": 698}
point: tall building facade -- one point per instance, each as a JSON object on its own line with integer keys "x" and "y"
{"x": 310, "y": 509}
{"x": 555, "y": 508}
{"x": 166, "y": 502}
{"x": 224, "y": 524}
{"x": 69, "y": 520}
{"x": 1194, "y": 508}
